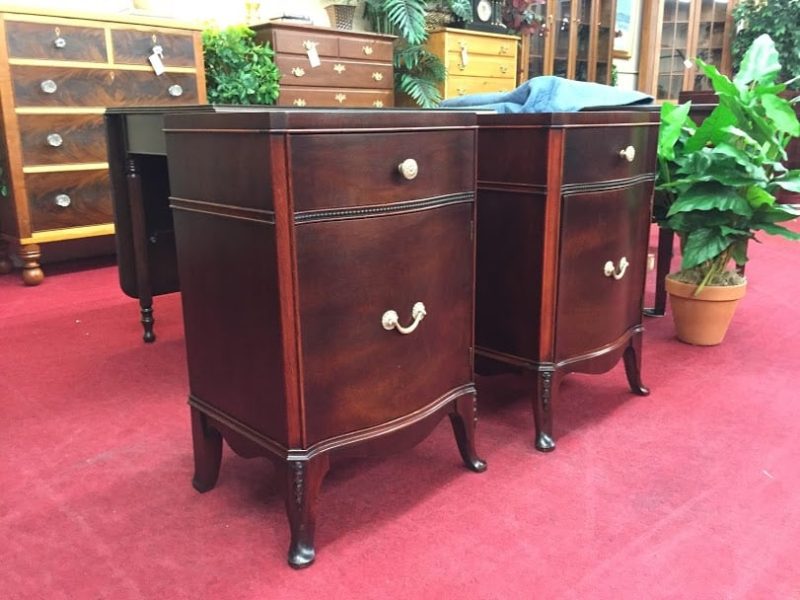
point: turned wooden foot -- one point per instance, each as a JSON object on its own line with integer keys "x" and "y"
{"x": 207, "y": 444}
{"x": 32, "y": 273}
{"x": 633, "y": 365}
{"x": 464, "y": 418}
{"x": 5, "y": 259}
{"x": 545, "y": 392}
{"x": 302, "y": 480}
{"x": 147, "y": 323}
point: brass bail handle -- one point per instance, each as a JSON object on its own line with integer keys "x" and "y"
{"x": 609, "y": 270}
{"x": 391, "y": 320}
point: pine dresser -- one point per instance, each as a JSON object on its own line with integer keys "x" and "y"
{"x": 564, "y": 204}
{"x": 326, "y": 261}
{"x": 58, "y": 73}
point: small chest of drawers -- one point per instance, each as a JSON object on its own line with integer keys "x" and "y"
{"x": 330, "y": 67}
{"x": 58, "y": 74}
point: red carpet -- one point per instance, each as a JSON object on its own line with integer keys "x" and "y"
{"x": 692, "y": 492}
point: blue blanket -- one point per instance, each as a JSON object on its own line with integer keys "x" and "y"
{"x": 551, "y": 94}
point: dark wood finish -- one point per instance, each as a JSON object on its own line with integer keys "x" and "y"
{"x": 82, "y": 139}
{"x": 332, "y": 73}
{"x": 304, "y": 96}
{"x": 89, "y": 195}
{"x": 556, "y": 201}
{"x": 38, "y": 41}
{"x": 289, "y": 251}
{"x": 134, "y": 46}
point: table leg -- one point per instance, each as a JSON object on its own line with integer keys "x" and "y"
{"x": 139, "y": 232}
{"x": 302, "y": 482}
{"x": 663, "y": 264}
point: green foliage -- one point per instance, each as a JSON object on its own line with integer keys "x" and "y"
{"x": 778, "y": 18}
{"x": 716, "y": 182}
{"x": 239, "y": 70}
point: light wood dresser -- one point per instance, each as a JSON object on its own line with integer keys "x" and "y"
{"x": 329, "y": 67}
{"x": 58, "y": 73}
{"x": 476, "y": 62}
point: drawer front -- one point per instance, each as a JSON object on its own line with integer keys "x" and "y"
{"x": 366, "y": 49}
{"x": 62, "y": 139}
{"x": 286, "y": 41}
{"x": 99, "y": 87}
{"x": 55, "y": 42}
{"x": 595, "y": 153}
{"x": 299, "y": 96}
{"x": 334, "y": 73}
{"x": 356, "y": 373}
{"x": 368, "y": 163}
{"x": 595, "y": 309}
{"x": 481, "y": 66}
{"x": 69, "y": 199}
{"x": 459, "y": 85}
{"x": 482, "y": 45}
{"x": 134, "y": 46}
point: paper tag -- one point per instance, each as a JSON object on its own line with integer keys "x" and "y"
{"x": 313, "y": 55}
{"x": 155, "y": 61}
{"x": 464, "y": 56}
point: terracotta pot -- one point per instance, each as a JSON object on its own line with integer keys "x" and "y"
{"x": 703, "y": 320}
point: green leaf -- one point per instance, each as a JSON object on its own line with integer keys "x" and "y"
{"x": 760, "y": 62}
{"x": 790, "y": 182}
{"x": 672, "y": 121}
{"x": 780, "y": 230}
{"x": 711, "y": 196}
{"x": 702, "y": 245}
{"x": 782, "y": 115}
{"x": 712, "y": 129}
{"x": 758, "y": 197}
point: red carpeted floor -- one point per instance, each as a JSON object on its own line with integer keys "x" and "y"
{"x": 692, "y": 492}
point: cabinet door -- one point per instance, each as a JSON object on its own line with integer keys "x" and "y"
{"x": 674, "y": 51}
{"x": 582, "y": 22}
{"x": 709, "y": 42}
{"x": 595, "y": 308}
{"x": 560, "y": 30}
{"x": 604, "y": 21}
{"x": 537, "y": 44}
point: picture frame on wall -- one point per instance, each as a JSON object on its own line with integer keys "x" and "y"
{"x": 624, "y": 30}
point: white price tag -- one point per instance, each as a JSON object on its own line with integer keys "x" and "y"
{"x": 156, "y": 63}
{"x": 464, "y": 56}
{"x": 313, "y": 55}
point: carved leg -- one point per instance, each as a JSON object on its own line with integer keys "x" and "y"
{"x": 207, "y": 443}
{"x": 633, "y": 365}
{"x": 139, "y": 233}
{"x": 663, "y": 264}
{"x": 5, "y": 260}
{"x": 464, "y": 418}
{"x": 32, "y": 273}
{"x": 546, "y": 391}
{"x": 147, "y": 321}
{"x": 302, "y": 480}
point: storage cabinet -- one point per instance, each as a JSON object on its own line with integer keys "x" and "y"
{"x": 331, "y": 67}
{"x": 326, "y": 263}
{"x": 575, "y": 40}
{"x": 564, "y": 203}
{"x": 673, "y": 33}
{"x": 476, "y": 62}
{"x": 58, "y": 73}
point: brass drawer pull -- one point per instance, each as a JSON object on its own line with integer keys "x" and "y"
{"x": 609, "y": 270}
{"x": 367, "y": 50}
{"x": 408, "y": 168}
{"x": 503, "y": 49}
{"x": 390, "y": 319}
{"x": 298, "y": 71}
{"x": 299, "y": 102}
{"x": 628, "y": 153}
{"x": 49, "y": 86}
{"x": 340, "y": 98}
{"x": 377, "y": 76}
{"x": 54, "y": 140}
{"x": 378, "y": 104}
{"x": 461, "y": 91}
{"x": 339, "y": 68}
{"x": 63, "y": 200}
{"x": 175, "y": 90}
{"x": 309, "y": 45}
{"x": 503, "y": 69}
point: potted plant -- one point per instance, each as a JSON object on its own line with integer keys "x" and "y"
{"x": 341, "y": 13}
{"x": 716, "y": 185}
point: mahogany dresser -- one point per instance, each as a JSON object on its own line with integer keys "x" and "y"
{"x": 564, "y": 202}
{"x": 326, "y": 264}
{"x": 476, "y": 61}
{"x": 331, "y": 67}
{"x": 58, "y": 73}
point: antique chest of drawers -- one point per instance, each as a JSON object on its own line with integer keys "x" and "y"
{"x": 476, "y": 62}
{"x": 58, "y": 73}
{"x": 331, "y": 67}
{"x": 326, "y": 265}
{"x": 564, "y": 204}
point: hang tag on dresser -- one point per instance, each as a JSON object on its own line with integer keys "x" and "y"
{"x": 313, "y": 55}
{"x": 464, "y": 56}
{"x": 156, "y": 60}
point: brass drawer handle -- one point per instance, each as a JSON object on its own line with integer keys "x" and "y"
{"x": 298, "y": 71}
{"x": 63, "y": 200}
{"x": 309, "y": 45}
{"x": 408, "y": 169}
{"x": 339, "y": 68}
{"x": 461, "y": 91}
{"x": 378, "y": 104}
{"x": 503, "y": 69}
{"x": 175, "y": 90}
{"x": 609, "y": 270}
{"x": 367, "y": 50}
{"x": 299, "y": 102}
{"x": 340, "y": 98}
{"x": 628, "y": 153}
{"x": 54, "y": 140}
{"x": 377, "y": 76}
{"x": 49, "y": 86}
{"x": 503, "y": 49}
{"x": 390, "y": 319}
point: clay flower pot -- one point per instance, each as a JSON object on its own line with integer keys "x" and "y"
{"x": 703, "y": 319}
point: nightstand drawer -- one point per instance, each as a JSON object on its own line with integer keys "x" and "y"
{"x": 46, "y": 41}
{"x": 326, "y": 97}
{"x": 601, "y": 154}
{"x": 69, "y": 199}
{"x": 134, "y": 46}
{"x": 287, "y": 41}
{"x": 62, "y": 139}
{"x": 334, "y": 73}
{"x": 369, "y": 163}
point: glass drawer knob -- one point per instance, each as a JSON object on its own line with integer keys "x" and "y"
{"x": 408, "y": 168}
{"x": 175, "y": 90}
{"x": 49, "y": 86}
{"x": 59, "y": 42}
{"x": 63, "y": 200}
{"x": 54, "y": 140}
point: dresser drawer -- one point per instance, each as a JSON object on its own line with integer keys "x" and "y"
{"x": 481, "y": 45}
{"x": 134, "y": 46}
{"x": 460, "y": 85}
{"x": 357, "y": 374}
{"x": 300, "y": 96}
{"x": 62, "y": 139}
{"x": 366, "y": 49}
{"x": 46, "y": 41}
{"x": 99, "y": 87}
{"x": 368, "y": 162}
{"x": 595, "y": 153}
{"x": 480, "y": 66}
{"x": 287, "y": 41}
{"x": 69, "y": 199}
{"x": 595, "y": 309}
{"x": 334, "y": 73}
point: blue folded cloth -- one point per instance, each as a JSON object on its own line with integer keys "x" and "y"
{"x": 551, "y": 94}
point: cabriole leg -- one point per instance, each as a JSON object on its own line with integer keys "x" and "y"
{"x": 633, "y": 365}
{"x": 207, "y": 443}
{"x": 546, "y": 392}
{"x": 464, "y": 418}
{"x": 302, "y": 480}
